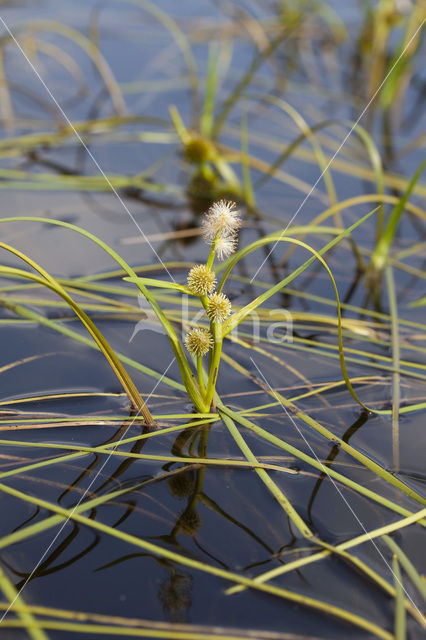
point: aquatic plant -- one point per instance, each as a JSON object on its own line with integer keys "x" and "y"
{"x": 301, "y": 433}
{"x": 220, "y": 227}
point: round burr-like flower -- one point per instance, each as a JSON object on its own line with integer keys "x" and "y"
{"x": 199, "y": 341}
{"x": 201, "y": 280}
{"x": 225, "y": 246}
{"x": 219, "y": 307}
{"x": 221, "y": 219}
{"x": 198, "y": 150}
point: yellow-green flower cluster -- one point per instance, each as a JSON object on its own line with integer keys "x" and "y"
{"x": 199, "y": 341}
{"x": 218, "y": 307}
{"x": 201, "y": 280}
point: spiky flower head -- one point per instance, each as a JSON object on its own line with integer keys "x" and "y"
{"x": 221, "y": 220}
{"x": 199, "y": 341}
{"x": 225, "y": 246}
{"x": 219, "y": 307}
{"x": 201, "y": 280}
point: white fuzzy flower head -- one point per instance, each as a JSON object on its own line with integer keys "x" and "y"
{"x": 225, "y": 246}
{"x": 221, "y": 219}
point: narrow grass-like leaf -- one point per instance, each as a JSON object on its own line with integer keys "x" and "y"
{"x": 103, "y": 345}
{"x": 186, "y": 372}
{"x": 406, "y": 563}
{"x": 400, "y": 618}
{"x": 380, "y": 254}
{"x": 26, "y": 618}
{"x": 282, "y": 499}
{"x": 352, "y": 451}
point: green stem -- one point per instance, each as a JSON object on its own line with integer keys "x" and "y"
{"x": 212, "y": 255}
{"x": 200, "y": 374}
{"x": 216, "y": 329}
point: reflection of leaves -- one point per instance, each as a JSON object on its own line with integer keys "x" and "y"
{"x": 175, "y": 596}
{"x": 182, "y": 440}
{"x": 359, "y": 422}
{"x": 45, "y": 568}
{"x": 27, "y": 521}
{"x": 130, "y": 556}
{"x": 211, "y": 504}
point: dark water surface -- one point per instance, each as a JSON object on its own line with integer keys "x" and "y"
{"x": 233, "y": 522}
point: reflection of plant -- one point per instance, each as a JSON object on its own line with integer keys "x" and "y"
{"x": 189, "y": 521}
{"x": 181, "y": 485}
{"x": 175, "y": 596}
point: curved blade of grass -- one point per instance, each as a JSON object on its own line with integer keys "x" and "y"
{"x": 305, "y": 346}
{"x": 307, "y": 134}
{"x": 181, "y": 40}
{"x": 91, "y": 50}
{"x": 187, "y": 375}
{"x": 350, "y": 202}
{"x": 380, "y": 254}
{"x": 56, "y": 326}
{"x": 102, "y": 343}
{"x": 252, "y": 306}
{"x": 67, "y": 62}
{"x": 242, "y": 84}
{"x": 229, "y": 264}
